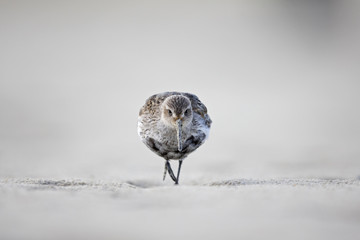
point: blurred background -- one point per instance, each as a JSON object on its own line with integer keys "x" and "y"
{"x": 280, "y": 79}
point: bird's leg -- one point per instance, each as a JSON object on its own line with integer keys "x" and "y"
{"x": 178, "y": 173}
{"x": 168, "y": 168}
{"x": 165, "y": 170}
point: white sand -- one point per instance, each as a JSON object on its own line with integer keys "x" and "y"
{"x": 231, "y": 209}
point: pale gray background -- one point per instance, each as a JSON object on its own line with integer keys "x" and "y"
{"x": 280, "y": 79}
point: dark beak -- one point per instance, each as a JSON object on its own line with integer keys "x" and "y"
{"x": 178, "y": 134}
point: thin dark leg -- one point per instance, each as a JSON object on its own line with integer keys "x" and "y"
{"x": 170, "y": 171}
{"x": 178, "y": 174}
{"x": 165, "y": 171}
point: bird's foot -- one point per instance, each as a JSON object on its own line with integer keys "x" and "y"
{"x": 170, "y": 171}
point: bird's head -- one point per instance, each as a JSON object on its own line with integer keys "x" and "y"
{"x": 176, "y": 112}
{"x": 177, "y": 108}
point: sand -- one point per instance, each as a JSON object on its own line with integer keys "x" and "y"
{"x": 226, "y": 209}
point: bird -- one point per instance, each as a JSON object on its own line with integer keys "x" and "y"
{"x": 173, "y": 125}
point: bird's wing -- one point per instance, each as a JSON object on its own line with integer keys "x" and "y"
{"x": 153, "y": 103}
{"x": 199, "y": 108}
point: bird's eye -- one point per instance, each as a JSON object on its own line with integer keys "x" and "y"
{"x": 170, "y": 112}
{"x": 187, "y": 112}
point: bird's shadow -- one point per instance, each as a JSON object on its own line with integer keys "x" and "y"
{"x": 145, "y": 183}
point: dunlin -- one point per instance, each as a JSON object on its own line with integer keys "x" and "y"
{"x": 173, "y": 125}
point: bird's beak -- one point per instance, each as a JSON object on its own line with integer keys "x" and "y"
{"x": 178, "y": 133}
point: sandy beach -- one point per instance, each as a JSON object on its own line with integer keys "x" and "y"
{"x": 231, "y": 209}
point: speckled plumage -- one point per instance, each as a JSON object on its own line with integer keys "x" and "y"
{"x": 157, "y": 132}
